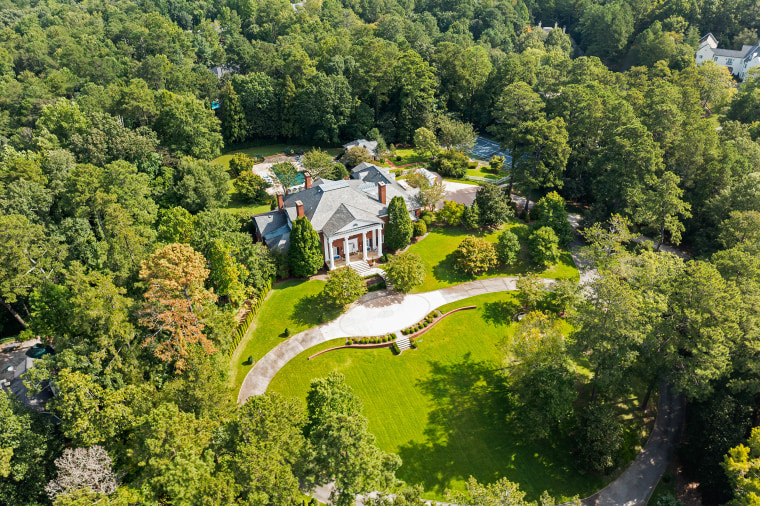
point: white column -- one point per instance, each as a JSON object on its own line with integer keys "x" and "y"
{"x": 379, "y": 243}
{"x": 345, "y": 251}
{"x": 364, "y": 245}
{"x": 332, "y": 257}
{"x": 325, "y": 242}
{"x": 374, "y": 240}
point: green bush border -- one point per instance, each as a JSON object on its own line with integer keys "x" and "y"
{"x": 242, "y": 329}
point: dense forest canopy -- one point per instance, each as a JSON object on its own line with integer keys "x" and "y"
{"x": 107, "y": 136}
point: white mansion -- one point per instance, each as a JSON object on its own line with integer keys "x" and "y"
{"x": 737, "y": 62}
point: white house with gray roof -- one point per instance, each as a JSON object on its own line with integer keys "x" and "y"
{"x": 349, "y": 215}
{"x": 737, "y": 62}
{"x": 370, "y": 146}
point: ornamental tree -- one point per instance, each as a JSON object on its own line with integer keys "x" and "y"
{"x": 354, "y": 156}
{"x": 343, "y": 287}
{"x": 493, "y": 205}
{"x": 507, "y": 248}
{"x": 398, "y": 230}
{"x": 405, "y": 271}
{"x": 544, "y": 246}
{"x": 471, "y": 216}
{"x": 305, "y": 255}
{"x": 452, "y": 212}
{"x": 475, "y": 255}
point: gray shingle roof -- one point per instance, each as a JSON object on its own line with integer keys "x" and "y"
{"x": 353, "y": 195}
{"x": 730, "y": 53}
{"x": 267, "y": 223}
{"x": 370, "y": 146}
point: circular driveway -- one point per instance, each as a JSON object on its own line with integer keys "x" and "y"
{"x": 369, "y": 319}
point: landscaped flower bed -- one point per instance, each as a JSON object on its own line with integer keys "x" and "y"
{"x": 429, "y": 319}
{"x": 385, "y": 341}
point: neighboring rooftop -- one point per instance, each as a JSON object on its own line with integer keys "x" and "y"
{"x": 370, "y": 146}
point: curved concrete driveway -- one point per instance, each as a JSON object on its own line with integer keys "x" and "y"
{"x": 374, "y": 314}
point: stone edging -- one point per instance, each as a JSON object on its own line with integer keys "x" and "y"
{"x": 435, "y": 322}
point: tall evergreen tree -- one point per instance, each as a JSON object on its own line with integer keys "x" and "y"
{"x": 493, "y": 206}
{"x": 305, "y": 256}
{"x": 398, "y": 231}
{"x": 233, "y": 118}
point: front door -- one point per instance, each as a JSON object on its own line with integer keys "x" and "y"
{"x": 353, "y": 246}
{"x": 336, "y": 252}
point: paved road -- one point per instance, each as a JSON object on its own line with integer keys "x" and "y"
{"x": 374, "y": 314}
{"x": 635, "y": 486}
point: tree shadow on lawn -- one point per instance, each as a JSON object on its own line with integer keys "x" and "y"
{"x": 313, "y": 310}
{"x": 500, "y": 313}
{"x": 473, "y": 430}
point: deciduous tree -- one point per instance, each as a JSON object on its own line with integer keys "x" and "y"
{"x": 475, "y": 255}
{"x": 405, "y": 271}
{"x": 343, "y": 287}
{"x": 544, "y": 246}
{"x": 175, "y": 276}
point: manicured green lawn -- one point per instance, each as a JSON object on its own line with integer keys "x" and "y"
{"x": 445, "y": 408}
{"x": 437, "y": 252}
{"x": 291, "y": 305}
{"x": 268, "y": 150}
{"x": 485, "y": 171}
{"x": 409, "y": 156}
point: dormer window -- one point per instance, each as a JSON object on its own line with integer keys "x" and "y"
{"x": 729, "y": 61}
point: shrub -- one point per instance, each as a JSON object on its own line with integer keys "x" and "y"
{"x": 428, "y": 219}
{"x": 507, "y": 248}
{"x": 450, "y": 163}
{"x": 249, "y": 360}
{"x": 287, "y": 332}
{"x": 544, "y": 246}
{"x": 398, "y": 158}
{"x": 451, "y": 214}
{"x": 472, "y": 165}
{"x": 475, "y": 255}
{"x": 419, "y": 228}
{"x": 395, "y": 348}
{"x": 471, "y": 216}
{"x": 354, "y": 156}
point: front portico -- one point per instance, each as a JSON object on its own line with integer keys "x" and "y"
{"x": 344, "y": 247}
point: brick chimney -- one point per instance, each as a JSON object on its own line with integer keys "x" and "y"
{"x": 299, "y": 209}
{"x": 381, "y": 193}
{"x": 307, "y": 180}
{"x": 280, "y": 202}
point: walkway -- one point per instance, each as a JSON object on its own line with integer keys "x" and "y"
{"x": 375, "y": 314}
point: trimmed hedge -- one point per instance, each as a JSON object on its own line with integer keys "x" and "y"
{"x": 430, "y": 318}
{"x": 246, "y": 324}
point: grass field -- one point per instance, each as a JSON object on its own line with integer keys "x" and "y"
{"x": 485, "y": 171}
{"x": 269, "y": 150}
{"x": 289, "y": 305}
{"x": 437, "y": 252}
{"x": 445, "y": 408}
{"x": 409, "y": 156}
